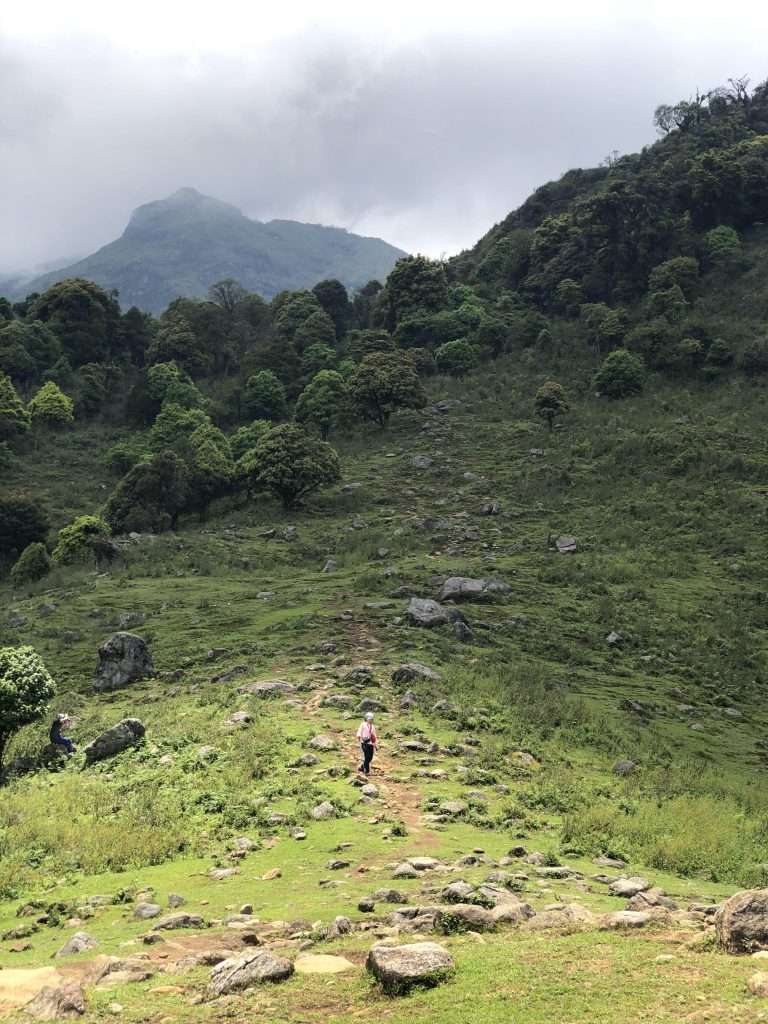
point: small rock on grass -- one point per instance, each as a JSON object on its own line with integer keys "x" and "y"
{"x": 56, "y": 1003}
{"x": 758, "y": 984}
{"x": 399, "y": 969}
{"x": 78, "y": 943}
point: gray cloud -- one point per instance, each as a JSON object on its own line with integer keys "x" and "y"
{"x": 426, "y": 142}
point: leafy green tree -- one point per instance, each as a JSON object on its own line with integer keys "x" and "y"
{"x": 173, "y": 428}
{"x": 324, "y": 403}
{"x": 149, "y": 497}
{"x": 722, "y": 246}
{"x": 719, "y": 356}
{"x": 26, "y": 690}
{"x": 77, "y": 541}
{"x": 167, "y": 382}
{"x": 14, "y": 418}
{"x": 669, "y": 303}
{"x": 123, "y": 456}
{"x": 333, "y": 297}
{"x": 84, "y": 317}
{"x": 491, "y": 335}
{"x": 569, "y": 297}
{"x": 27, "y": 349}
{"x": 622, "y": 373}
{"x": 137, "y": 329}
{"x": 22, "y": 521}
{"x": 416, "y": 284}
{"x": 6, "y": 310}
{"x": 682, "y": 271}
{"x": 317, "y": 329}
{"x": 456, "y": 358}
{"x": 364, "y": 302}
{"x": 360, "y": 344}
{"x": 175, "y": 341}
{"x": 247, "y": 437}
{"x": 421, "y": 359}
{"x": 383, "y": 383}
{"x": 290, "y": 463}
{"x": 550, "y": 402}
{"x": 264, "y": 397}
{"x": 605, "y": 326}
{"x": 50, "y": 407}
{"x": 210, "y": 464}
{"x": 293, "y": 311}
{"x": 317, "y": 358}
{"x": 33, "y": 564}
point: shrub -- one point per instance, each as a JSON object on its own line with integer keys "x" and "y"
{"x": 383, "y": 383}
{"x": 621, "y": 374}
{"x": 78, "y": 540}
{"x": 32, "y": 565}
{"x": 264, "y": 397}
{"x": 22, "y": 521}
{"x": 456, "y": 358}
{"x": 754, "y": 359}
{"x": 247, "y": 437}
{"x": 324, "y": 402}
{"x": 26, "y": 688}
{"x": 150, "y": 497}
{"x": 550, "y": 402}
{"x": 14, "y": 418}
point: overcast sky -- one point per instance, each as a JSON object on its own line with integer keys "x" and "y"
{"x": 415, "y": 123}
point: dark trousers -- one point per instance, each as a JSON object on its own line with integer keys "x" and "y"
{"x": 367, "y": 749}
{"x": 68, "y": 745}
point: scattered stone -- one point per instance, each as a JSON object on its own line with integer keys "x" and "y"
{"x": 308, "y": 760}
{"x": 423, "y": 611}
{"x": 78, "y": 943}
{"x": 123, "y": 659}
{"x": 491, "y": 508}
{"x": 252, "y": 968}
{"x": 366, "y": 906}
{"x": 405, "y": 870}
{"x": 568, "y": 916}
{"x": 454, "y": 808}
{"x": 414, "y": 671}
{"x": 125, "y": 734}
{"x": 401, "y": 968}
{"x": 758, "y": 984}
{"x": 271, "y": 875}
{"x": 269, "y": 688}
{"x": 614, "y": 639}
{"x": 331, "y": 565}
{"x": 340, "y": 926}
{"x": 370, "y": 791}
{"x": 298, "y": 834}
{"x": 651, "y": 899}
{"x": 566, "y": 545}
{"x": 175, "y": 900}
{"x": 609, "y": 862}
{"x": 389, "y": 896}
{"x": 457, "y": 892}
{"x": 370, "y": 704}
{"x": 323, "y": 811}
{"x": 624, "y": 768}
{"x": 238, "y": 719}
{"x": 624, "y": 919}
{"x": 421, "y": 461}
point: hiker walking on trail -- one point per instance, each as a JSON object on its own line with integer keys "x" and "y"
{"x": 60, "y": 723}
{"x": 368, "y": 742}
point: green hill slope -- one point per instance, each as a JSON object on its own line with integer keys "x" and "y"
{"x": 183, "y": 244}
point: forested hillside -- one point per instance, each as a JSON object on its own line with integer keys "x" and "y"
{"x": 514, "y": 505}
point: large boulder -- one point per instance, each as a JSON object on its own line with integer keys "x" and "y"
{"x": 401, "y": 968}
{"x": 742, "y": 922}
{"x": 465, "y": 588}
{"x": 57, "y": 1002}
{"x": 414, "y": 671}
{"x": 252, "y": 968}
{"x": 423, "y": 611}
{"x": 123, "y": 659}
{"x": 629, "y": 887}
{"x": 125, "y": 734}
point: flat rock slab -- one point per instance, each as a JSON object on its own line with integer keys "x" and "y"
{"x": 125, "y": 734}
{"x": 252, "y": 968}
{"x": 322, "y": 963}
{"x": 399, "y": 969}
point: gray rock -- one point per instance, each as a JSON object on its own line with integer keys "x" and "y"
{"x": 621, "y": 919}
{"x": 252, "y": 968}
{"x": 457, "y": 892}
{"x": 423, "y": 611}
{"x": 566, "y": 545}
{"x": 405, "y": 870}
{"x": 322, "y": 742}
{"x": 629, "y": 886}
{"x": 323, "y": 811}
{"x": 614, "y": 639}
{"x": 78, "y": 943}
{"x": 421, "y": 461}
{"x": 175, "y": 900}
{"x": 462, "y": 632}
{"x": 389, "y": 896}
{"x": 340, "y": 926}
{"x": 399, "y": 969}
{"x": 462, "y": 917}
{"x": 414, "y": 671}
{"x": 370, "y": 704}
{"x": 651, "y": 899}
{"x": 453, "y": 808}
{"x": 465, "y": 588}
{"x": 238, "y": 719}
{"x": 57, "y": 1002}
{"x": 125, "y": 734}
{"x": 491, "y": 508}
{"x": 144, "y": 911}
{"x": 741, "y": 923}
{"x": 371, "y": 791}
{"x": 624, "y": 768}
{"x": 331, "y": 565}
{"x": 337, "y": 700}
{"x": 123, "y": 659}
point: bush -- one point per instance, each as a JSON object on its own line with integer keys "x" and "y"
{"x": 550, "y": 402}
{"x": 264, "y": 397}
{"x": 150, "y": 497}
{"x": 14, "y": 418}
{"x": 383, "y": 383}
{"x": 33, "y": 564}
{"x": 78, "y": 541}
{"x": 26, "y": 688}
{"x": 622, "y": 373}
{"x": 754, "y": 359}
{"x": 324, "y": 402}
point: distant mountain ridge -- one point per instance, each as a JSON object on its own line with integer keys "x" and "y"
{"x": 184, "y": 243}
